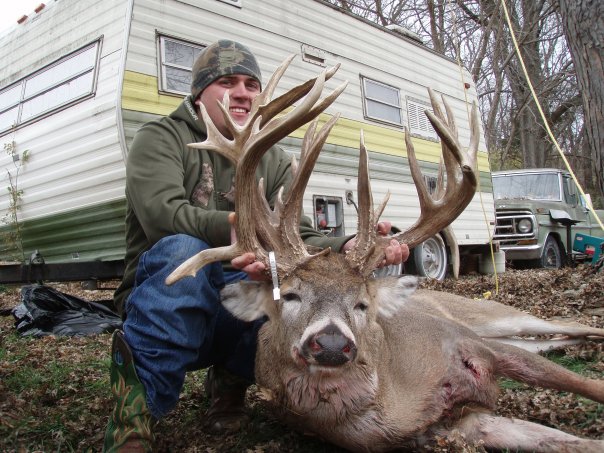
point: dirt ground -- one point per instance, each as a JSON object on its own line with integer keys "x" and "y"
{"x": 566, "y": 294}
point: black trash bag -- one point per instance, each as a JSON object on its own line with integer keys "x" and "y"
{"x": 45, "y": 311}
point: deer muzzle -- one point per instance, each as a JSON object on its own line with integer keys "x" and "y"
{"x": 329, "y": 347}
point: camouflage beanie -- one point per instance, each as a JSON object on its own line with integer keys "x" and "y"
{"x": 219, "y": 59}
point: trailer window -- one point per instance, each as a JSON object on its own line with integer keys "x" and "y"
{"x": 381, "y": 102}
{"x": 198, "y": 3}
{"x": 53, "y": 87}
{"x": 418, "y": 121}
{"x": 9, "y": 106}
{"x": 176, "y": 59}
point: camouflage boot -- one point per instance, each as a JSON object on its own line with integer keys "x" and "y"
{"x": 129, "y": 427}
{"x": 227, "y": 401}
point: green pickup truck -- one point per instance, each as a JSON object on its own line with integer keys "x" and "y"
{"x": 538, "y": 213}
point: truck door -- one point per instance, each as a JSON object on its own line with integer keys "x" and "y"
{"x": 576, "y": 210}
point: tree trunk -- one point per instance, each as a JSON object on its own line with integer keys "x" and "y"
{"x": 531, "y": 131}
{"x": 583, "y": 22}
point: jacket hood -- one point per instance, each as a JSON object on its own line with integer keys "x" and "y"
{"x": 186, "y": 112}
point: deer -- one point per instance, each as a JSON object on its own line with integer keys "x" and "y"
{"x": 369, "y": 363}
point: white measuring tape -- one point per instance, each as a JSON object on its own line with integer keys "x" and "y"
{"x": 273, "y": 264}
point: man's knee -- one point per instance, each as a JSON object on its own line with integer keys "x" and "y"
{"x": 178, "y": 247}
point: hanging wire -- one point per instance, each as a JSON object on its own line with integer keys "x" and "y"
{"x": 544, "y": 119}
{"x": 457, "y": 46}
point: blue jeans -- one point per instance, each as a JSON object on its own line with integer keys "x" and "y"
{"x": 183, "y": 327}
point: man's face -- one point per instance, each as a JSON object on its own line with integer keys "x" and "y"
{"x": 242, "y": 91}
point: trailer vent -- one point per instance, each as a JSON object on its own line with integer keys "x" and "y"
{"x": 404, "y": 32}
{"x": 238, "y": 3}
{"x": 313, "y": 55}
{"x": 418, "y": 121}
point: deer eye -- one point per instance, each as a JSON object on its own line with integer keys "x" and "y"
{"x": 291, "y": 297}
{"x": 362, "y": 306}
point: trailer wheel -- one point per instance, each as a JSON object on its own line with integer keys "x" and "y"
{"x": 429, "y": 259}
{"x": 552, "y": 255}
{"x": 393, "y": 270}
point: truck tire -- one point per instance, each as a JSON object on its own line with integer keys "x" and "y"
{"x": 429, "y": 259}
{"x": 551, "y": 257}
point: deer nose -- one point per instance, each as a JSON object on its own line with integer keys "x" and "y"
{"x": 330, "y": 347}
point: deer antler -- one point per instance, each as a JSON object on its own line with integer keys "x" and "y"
{"x": 271, "y": 230}
{"x": 437, "y": 212}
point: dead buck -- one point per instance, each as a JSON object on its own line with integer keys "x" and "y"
{"x": 361, "y": 361}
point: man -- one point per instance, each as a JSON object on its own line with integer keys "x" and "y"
{"x": 179, "y": 201}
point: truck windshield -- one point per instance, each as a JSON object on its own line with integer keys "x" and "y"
{"x": 530, "y": 186}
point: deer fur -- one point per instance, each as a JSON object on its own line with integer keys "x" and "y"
{"x": 417, "y": 370}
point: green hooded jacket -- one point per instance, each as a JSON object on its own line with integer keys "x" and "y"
{"x": 171, "y": 189}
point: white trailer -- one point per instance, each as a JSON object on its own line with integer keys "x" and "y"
{"x": 79, "y": 77}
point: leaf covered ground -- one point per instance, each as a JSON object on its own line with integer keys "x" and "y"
{"x": 54, "y": 391}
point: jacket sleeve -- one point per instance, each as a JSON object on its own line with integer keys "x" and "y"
{"x": 155, "y": 175}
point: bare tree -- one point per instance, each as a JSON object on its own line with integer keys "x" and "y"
{"x": 477, "y": 32}
{"x": 583, "y": 22}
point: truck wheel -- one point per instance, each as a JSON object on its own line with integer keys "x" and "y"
{"x": 552, "y": 255}
{"x": 429, "y": 259}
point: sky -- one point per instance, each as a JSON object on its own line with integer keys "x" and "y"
{"x": 11, "y": 10}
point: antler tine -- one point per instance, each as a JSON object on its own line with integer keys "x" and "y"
{"x": 267, "y": 222}
{"x": 196, "y": 262}
{"x": 416, "y": 174}
{"x": 366, "y": 233}
{"x": 268, "y": 110}
{"x": 310, "y": 107}
{"x": 436, "y": 213}
{"x": 461, "y": 179}
{"x": 450, "y": 159}
{"x": 271, "y": 215}
{"x": 312, "y": 144}
{"x": 215, "y": 141}
{"x": 279, "y": 231}
{"x": 456, "y": 160}
{"x": 368, "y": 250}
{"x": 474, "y": 134}
{"x": 267, "y": 93}
{"x": 292, "y": 207}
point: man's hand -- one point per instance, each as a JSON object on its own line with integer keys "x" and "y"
{"x": 247, "y": 262}
{"x": 395, "y": 253}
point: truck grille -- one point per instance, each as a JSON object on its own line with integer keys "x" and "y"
{"x": 506, "y": 227}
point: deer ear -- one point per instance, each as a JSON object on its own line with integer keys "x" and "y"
{"x": 247, "y": 300}
{"x": 392, "y": 293}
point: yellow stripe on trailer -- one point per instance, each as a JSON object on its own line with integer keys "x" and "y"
{"x": 141, "y": 94}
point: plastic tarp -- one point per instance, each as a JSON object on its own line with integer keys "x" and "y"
{"x": 45, "y": 311}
